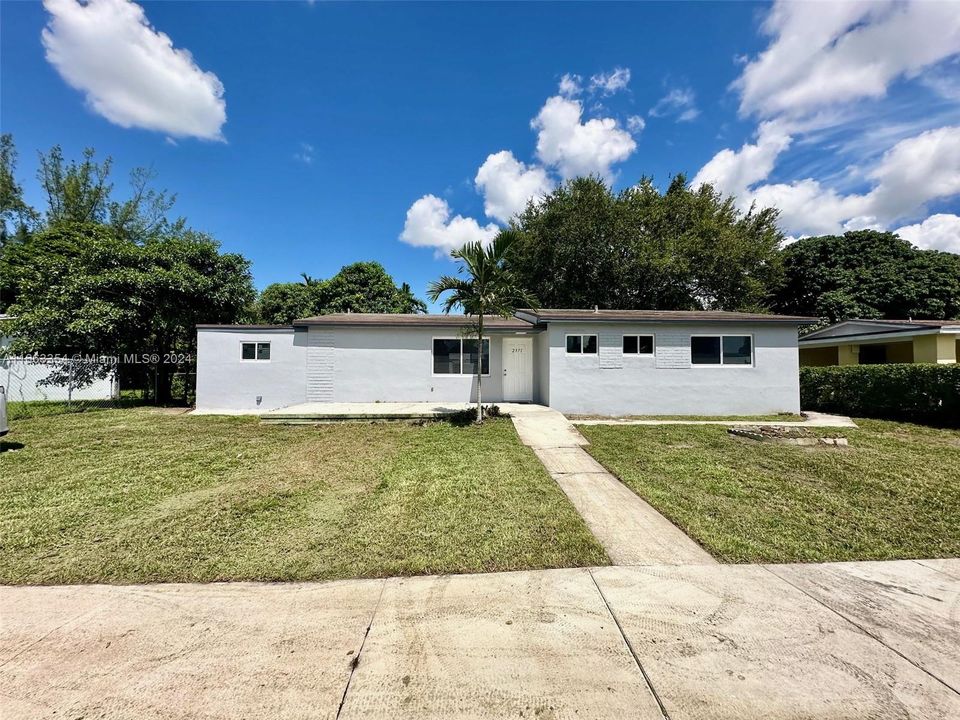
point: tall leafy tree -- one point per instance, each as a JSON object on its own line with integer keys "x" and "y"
{"x": 868, "y": 274}
{"x": 585, "y": 245}
{"x": 17, "y": 218}
{"x": 282, "y": 303}
{"x": 106, "y": 276}
{"x": 484, "y": 286}
{"x": 83, "y": 290}
{"x": 362, "y": 287}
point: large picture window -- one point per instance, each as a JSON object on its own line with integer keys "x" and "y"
{"x": 721, "y": 350}
{"x": 459, "y": 356}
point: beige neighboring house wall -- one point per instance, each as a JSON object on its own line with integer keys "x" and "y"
{"x": 862, "y": 342}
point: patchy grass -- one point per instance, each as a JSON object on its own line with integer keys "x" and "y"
{"x": 894, "y": 493}
{"x": 143, "y": 496}
{"x": 19, "y": 410}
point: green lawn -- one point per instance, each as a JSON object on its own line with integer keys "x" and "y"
{"x": 139, "y": 495}
{"x": 894, "y": 493}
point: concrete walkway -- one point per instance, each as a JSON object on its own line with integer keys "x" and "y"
{"x": 630, "y": 530}
{"x": 851, "y": 640}
{"x": 813, "y": 419}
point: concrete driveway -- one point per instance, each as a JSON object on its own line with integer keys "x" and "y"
{"x": 844, "y": 640}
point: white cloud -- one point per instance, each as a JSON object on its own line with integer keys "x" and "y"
{"x": 917, "y": 170}
{"x": 570, "y": 85}
{"x": 508, "y": 184}
{"x": 611, "y": 82}
{"x": 636, "y": 124}
{"x": 680, "y": 102}
{"x": 828, "y": 53}
{"x": 733, "y": 171}
{"x": 912, "y": 173}
{"x": 429, "y": 224}
{"x": 937, "y": 232}
{"x": 577, "y": 148}
{"x": 304, "y": 154}
{"x": 129, "y": 72}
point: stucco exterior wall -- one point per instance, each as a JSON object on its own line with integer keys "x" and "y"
{"x": 396, "y": 365}
{"x": 541, "y": 368}
{"x": 666, "y": 383}
{"x": 225, "y": 382}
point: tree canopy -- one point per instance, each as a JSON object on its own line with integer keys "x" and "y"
{"x": 867, "y": 274}
{"x": 359, "y": 287}
{"x": 586, "y": 245}
{"x": 102, "y": 276}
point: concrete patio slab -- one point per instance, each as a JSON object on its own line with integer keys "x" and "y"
{"x": 535, "y": 645}
{"x": 630, "y": 530}
{"x": 330, "y": 411}
{"x": 814, "y": 419}
{"x": 738, "y": 642}
{"x": 911, "y": 608}
{"x": 181, "y": 651}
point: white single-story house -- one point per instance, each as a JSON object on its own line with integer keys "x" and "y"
{"x": 609, "y": 362}
{"x": 877, "y": 342}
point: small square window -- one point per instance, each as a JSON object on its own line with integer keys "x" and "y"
{"x": 638, "y": 344}
{"x": 255, "y": 351}
{"x": 581, "y": 344}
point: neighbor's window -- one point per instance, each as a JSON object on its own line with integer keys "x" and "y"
{"x": 581, "y": 344}
{"x": 458, "y": 356}
{"x": 255, "y": 351}
{"x": 638, "y": 344}
{"x": 721, "y": 350}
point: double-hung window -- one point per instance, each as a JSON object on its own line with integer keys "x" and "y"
{"x": 581, "y": 344}
{"x": 255, "y": 351}
{"x": 459, "y": 356}
{"x": 721, "y": 350}
{"x": 638, "y": 344}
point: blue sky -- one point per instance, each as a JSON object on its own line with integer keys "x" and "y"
{"x": 310, "y": 135}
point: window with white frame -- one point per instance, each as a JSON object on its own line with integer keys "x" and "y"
{"x": 459, "y": 356}
{"x": 721, "y": 350}
{"x": 255, "y": 351}
{"x": 581, "y": 344}
{"x": 638, "y": 344}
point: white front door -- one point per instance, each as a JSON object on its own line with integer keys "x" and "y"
{"x": 518, "y": 369}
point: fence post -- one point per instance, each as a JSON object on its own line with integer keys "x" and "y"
{"x": 70, "y": 384}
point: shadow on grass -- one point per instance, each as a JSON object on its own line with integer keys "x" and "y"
{"x": 7, "y": 446}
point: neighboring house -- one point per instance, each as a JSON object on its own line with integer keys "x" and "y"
{"x": 874, "y": 342}
{"x": 23, "y": 378}
{"x": 606, "y": 362}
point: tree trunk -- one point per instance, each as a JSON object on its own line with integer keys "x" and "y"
{"x": 479, "y": 369}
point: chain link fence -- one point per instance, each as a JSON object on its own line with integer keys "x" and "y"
{"x": 50, "y": 386}
{"x": 37, "y": 385}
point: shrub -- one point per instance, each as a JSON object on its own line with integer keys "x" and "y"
{"x": 921, "y": 392}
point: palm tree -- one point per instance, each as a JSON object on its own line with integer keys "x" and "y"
{"x": 490, "y": 289}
